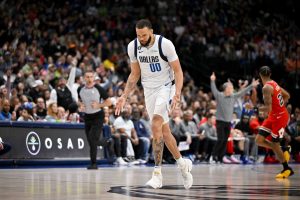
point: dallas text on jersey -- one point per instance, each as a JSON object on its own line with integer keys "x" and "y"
{"x": 149, "y": 59}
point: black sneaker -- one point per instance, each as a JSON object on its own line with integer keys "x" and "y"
{"x": 93, "y": 166}
{"x": 216, "y": 160}
{"x": 126, "y": 159}
{"x": 104, "y": 142}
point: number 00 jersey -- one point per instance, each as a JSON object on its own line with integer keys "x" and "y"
{"x": 278, "y": 107}
{"x": 155, "y": 71}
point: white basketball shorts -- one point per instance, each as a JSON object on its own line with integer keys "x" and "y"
{"x": 158, "y": 101}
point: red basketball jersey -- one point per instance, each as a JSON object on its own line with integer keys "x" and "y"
{"x": 278, "y": 107}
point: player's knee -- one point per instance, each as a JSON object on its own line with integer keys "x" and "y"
{"x": 157, "y": 121}
{"x": 259, "y": 139}
{"x": 156, "y": 126}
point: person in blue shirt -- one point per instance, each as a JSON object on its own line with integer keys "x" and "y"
{"x": 143, "y": 135}
{"x": 5, "y": 115}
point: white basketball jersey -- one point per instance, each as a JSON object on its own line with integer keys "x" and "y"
{"x": 155, "y": 71}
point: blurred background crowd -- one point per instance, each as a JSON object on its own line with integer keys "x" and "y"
{"x": 46, "y": 46}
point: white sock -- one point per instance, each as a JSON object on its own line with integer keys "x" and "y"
{"x": 180, "y": 161}
{"x": 157, "y": 169}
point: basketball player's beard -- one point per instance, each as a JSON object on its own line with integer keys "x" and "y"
{"x": 147, "y": 43}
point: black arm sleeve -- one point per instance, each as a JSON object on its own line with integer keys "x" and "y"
{"x": 78, "y": 92}
{"x": 102, "y": 92}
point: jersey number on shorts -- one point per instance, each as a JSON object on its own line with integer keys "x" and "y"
{"x": 155, "y": 67}
{"x": 281, "y": 132}
{"x": 280, "y": 98}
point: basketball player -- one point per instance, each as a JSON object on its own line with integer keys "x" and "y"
{"x": 154, "y": 59}
{"x": 275, "y": 99}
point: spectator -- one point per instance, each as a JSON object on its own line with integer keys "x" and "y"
{"x": 225, "y": 106}
{"x": 14, "y": 103}
{"x": 5, "y": 115}
{"x": 125, "y": 127}
{"x": 118, "y": 143}
{"x": 73, "y": 115}
{"x": 142, "y": 149}
{"x": 210, "y": 137}
{"x": 243, "y": 134}
{"x": 61, "y": 114}
{"x": 146, "y": 121}
{"x": 294, "y": 138}
{"x": 47, "y": 97}
{"x": 41, "y": 111}
{"x": 25, "y": 115}
{"x": 36, "y": 90}
{"x": 178, "y": 131}
{"x": 76, "y": 85}
{"x": 194, "y": 138}
{"x": 62, "y": 94}
{"x": 248, "y": 104}
{"x": 52, "y": 112}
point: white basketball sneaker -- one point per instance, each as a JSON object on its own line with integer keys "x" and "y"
{"x": 156, "y": 180}
{"x": 121, "y": 161}
{"x": 186, "y": 169}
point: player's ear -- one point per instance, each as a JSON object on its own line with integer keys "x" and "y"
{"x": 151, "y": 31}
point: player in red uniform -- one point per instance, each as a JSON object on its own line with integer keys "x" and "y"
{"x": 275, "y": 99}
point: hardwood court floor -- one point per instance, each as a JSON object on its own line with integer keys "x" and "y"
{"x": 122, "y": 183}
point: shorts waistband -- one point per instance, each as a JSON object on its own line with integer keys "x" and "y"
{"x": 172, "y": 83}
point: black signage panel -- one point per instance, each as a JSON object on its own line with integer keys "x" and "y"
{"x": 45, "y": 140}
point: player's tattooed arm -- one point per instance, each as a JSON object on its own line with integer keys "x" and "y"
{"x": 132, "y": 79}
{"x": 267, "y": 95}
{"x": 158, "y": 147}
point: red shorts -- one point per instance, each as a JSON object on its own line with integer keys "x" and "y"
{"x": 275, "y": 125}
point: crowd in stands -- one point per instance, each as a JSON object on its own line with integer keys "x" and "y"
{"x": 46, "y": 47}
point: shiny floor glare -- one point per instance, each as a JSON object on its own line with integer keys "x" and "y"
{"x": 210, "y": 182}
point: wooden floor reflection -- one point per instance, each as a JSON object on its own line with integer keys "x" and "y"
{"x": 210, "y": 182}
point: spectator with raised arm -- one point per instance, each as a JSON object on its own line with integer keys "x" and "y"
{"x": 63, "y": 93}
{"x": 225, "y": 106}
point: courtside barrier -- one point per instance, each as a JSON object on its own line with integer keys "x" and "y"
{"x": 47, "y": 141}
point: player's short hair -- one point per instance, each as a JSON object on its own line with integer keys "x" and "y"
{"x": 265, "y": 71}
{"x": 143, "y": 23}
